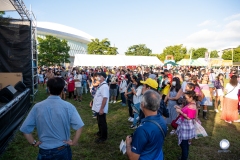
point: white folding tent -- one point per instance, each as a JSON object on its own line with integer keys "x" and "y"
{"x": 114, "y": 60}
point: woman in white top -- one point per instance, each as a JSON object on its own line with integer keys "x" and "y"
{"x": 230, "y": 102}
{"x": 122, "y": 89}
{"x": 137, "y": 97}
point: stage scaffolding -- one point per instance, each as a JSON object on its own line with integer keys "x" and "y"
{"x": 28, "y": 15}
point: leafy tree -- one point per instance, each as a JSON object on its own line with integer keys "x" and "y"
{"x": 138, "y": 50}
{"x": 199, "y": 53}
{"x": 227, "y": 55}
{"x": 178, "y": 52}
{"x": 214, "y": 54}
{"x": 101, "y": 47}
{"x": 52, "y": 51}
{"x": 2, "y": 13}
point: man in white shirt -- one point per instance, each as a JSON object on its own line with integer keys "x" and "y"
{"x": 78, "y": 86}
{"x": 100, "y": 106}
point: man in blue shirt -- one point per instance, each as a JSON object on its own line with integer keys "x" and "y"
{"x": 53, "y": 118}
{"x": 147, "y": 140}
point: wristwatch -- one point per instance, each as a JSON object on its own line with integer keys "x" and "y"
{"x": 34, "y": 142}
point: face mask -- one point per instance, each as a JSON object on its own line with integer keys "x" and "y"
{"x": 98, "y": 78}
{"x": 174, "y": 83}
{"x": 186, "y": 79}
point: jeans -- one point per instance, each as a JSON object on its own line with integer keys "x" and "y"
{"x": 185, "y": 148}
{"x": 60, "y": 153}
{"x": 84, "y": 86}
{"x": 137, "y": 108}
{"x": 130, "y": 110}
{"x": 102, "y": 126}
{"x": 123, "y": 98}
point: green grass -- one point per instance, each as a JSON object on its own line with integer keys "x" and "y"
{"x": 118, "y": 128}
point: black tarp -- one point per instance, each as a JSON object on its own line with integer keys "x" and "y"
{"x": 11, "y": 120}
{"x": 15, "y": 48}
{"x": 15, "y": 56}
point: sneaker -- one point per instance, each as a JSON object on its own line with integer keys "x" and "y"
{"x": 114, "y": 101}
{"x": 131, "y": 119}
{"x": 133, "y": 127}
{"x": 237, "y": 121}
{"x": 216, "y": 110}
{"x": 110, "y": 101}
{"x": 228, "y": 122}
{"x": 94, "y": 117}
{"x": 172, "y": 132}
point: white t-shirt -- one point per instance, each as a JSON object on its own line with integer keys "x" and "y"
{"x": 102, "y": 92}
{"x": 184, "y": 85}
{"x": 138, "y": 97}
{"x": 77, "y": 83}
{"x": 123, "y": 86}
{"x": 232, "y": 93}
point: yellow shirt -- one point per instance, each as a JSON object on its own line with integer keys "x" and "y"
{"x": 166, "y": 90}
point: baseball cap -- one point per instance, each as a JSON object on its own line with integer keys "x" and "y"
{"x": 150, "y": 82}
{"x": 153, "y": 76}
{"x": 165, "y": 70}
{"x": 102, "y": 74}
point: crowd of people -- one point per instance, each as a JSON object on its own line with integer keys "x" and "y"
{"x": 155, "y": 96}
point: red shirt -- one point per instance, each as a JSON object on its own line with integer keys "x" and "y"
{"x": 170, "y": 77}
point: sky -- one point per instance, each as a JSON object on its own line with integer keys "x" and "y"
{"x": 214, "y": 24}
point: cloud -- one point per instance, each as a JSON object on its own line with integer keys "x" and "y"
{"x": 235, "y": 16}
{"x": 207, "y": 23}
{"x": 227, "y": 36}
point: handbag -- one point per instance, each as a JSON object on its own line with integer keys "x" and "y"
{"x": 199, "y": 130}
{"x": 174, "y": 124}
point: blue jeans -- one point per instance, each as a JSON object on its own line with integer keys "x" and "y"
{"x": 135, "y": 114}
{"x": 63, "y": 153}
{"x": 185, "y": 148}
{"x": 123, "y": 98}
{"x": 84, "y": 86}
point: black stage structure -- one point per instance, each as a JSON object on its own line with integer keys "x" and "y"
{"x": 18, "y": 53}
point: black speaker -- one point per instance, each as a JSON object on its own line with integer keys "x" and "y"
{"x": 7, "y": 94}
{"x": 20, "y": 86}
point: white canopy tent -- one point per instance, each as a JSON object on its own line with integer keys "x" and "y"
{"x": 112, "y": 60}
{"x": 6, "y": 5}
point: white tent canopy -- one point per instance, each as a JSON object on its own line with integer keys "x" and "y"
{"x": 6, "y": 5}
{"x": 112, "y": 60}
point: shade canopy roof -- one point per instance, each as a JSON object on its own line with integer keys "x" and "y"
{"x": 114, "y": 60}
{"x": 6, "y": 5}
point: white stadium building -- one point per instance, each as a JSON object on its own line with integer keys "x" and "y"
{"x": 77, "y": 39}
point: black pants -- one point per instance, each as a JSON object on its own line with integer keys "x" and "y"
{"x": 130, "y": 110}
{"x": 70, "y": 94}
{"x": 102, "y": 126}
{"x": 185, "y": 148}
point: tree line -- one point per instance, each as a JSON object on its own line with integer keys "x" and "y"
{"x": 54, "y": 51}
{"x": 178, "y": 51}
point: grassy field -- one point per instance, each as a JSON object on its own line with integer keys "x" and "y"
{"x": 118, "y": 127}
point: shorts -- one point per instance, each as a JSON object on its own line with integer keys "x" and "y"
{"x": 113, "y": 92}
{"x": 78, "y": 91}
{"x": 219, "y": 92}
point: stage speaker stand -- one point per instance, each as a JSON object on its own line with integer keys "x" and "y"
{"x": 20, "y": 86}
{"x": 7, "y": 94}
